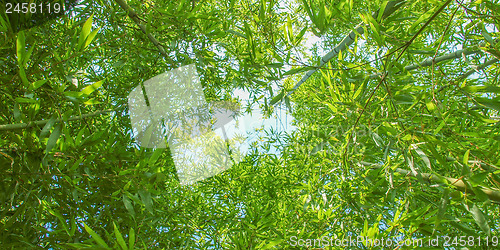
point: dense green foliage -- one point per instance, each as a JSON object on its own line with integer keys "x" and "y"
{"x": 387, "y": 146}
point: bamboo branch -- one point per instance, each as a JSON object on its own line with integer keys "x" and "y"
{"x": 133, "y": 15}
{"x": 390, "y": 8}
{"x": 493, "y": 194}
{"x": 470, "y": 72}
{"x": 451, "y": 56}
{"x": 43, "y": 122}
{"x": 480, "y": 67}
{"x": 428, "y": 62}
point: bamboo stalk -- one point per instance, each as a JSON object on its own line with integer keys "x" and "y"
{"x": 133, "y": 15}
{"x": 480, "y": 67}
{"x": 451, "y": 56}
{"x": 390, "y": 8}
{"x": 493, "y": 194}
{"x": 428, "y": 62}
{"x": 43, "y": 122}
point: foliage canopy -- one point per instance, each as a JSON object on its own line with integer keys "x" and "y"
{"x": 397, "y": 127}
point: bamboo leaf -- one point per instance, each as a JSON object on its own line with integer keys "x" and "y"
{"x": 128, "y": 205}
{"x": 91, "y": 37}
{"x": 482, "y": 89}
{"x": 427, "y": 14}
{"x": 54, "y": 136}
{"x": 46, "y": 129}
{"x": 491, "y": 104}
{"x": 131, "y": 238}
{"x": 480, "y": 219}
{"x": 466, "y": 158}
{"x": 85, "y": 32}
{"x": 21, "y": 47}
{"x": 487, "y": 36}
{"x": 479, "y": 178}
{"x": 22, "y": 74}
{"x": 276, "y": 98}
{"x": 25, "y": 100}
{"x": 89, "y": 89}
{"x": 299, "y": 37}
{"x": 146, "y": 199}
{"x": 27, "y": 56}
{"x": 39, "y": 83}
{"x": 237, "y": 34}
{"x": 119, "y": 237}
{"x": 287, "y": 103}
{"x": 95, "y": 236}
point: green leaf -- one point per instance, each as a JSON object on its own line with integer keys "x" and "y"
{"x": 54, "y": 136}
{"x": 487, "y": 36}
{"x": 95, "y": 236}
{"x": 89, "y": 89}
{"x": 39, "y": 83}
{"x": 146, "y": 199}
{"x": 491, "y": 104}
{"x": 17, "y": 113}
{"x": 479, "y": 178}
{"x": 375, "y": 27}
{"x": 287, "y": 103}
{"x": 27, "y": 56}
{"x": 131, "y": 238}
{"x": 427, "y": 14}
{"x": 119, "y": 237}
{"x": 479, "y": 193}
{"x": 480, "y": 219}
{"x": 299, "y": 37}
{"x": 61, "y": 219}
{"x": 443, "y": 204}
{"x": 46, "y": 129}
{"x": 156, "y": 154}
{"x": 21, "y": 47}
{"x": 431, "y": 106}
{"x": 128, "y": 205}
{"x": 87, "y": 26}
{"x": 237, "y": 34}
{"x": 465, "y": 160}
{"x": 25, "y": 100}
{"x": 277, "y": 98}
{"x": 381, "y": 11}
{"x": 482, "y": 89}
{"x": 275, "y": 65}
{"x": 424, "y": 157}
{"x": 273, "y": 243}
{"x": 22, "y": 74}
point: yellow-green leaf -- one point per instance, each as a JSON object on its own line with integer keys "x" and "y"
{"x": 89, "y": 89}
{"x": 92, "y": 101}
{"x": 131, "y": 238}
{"x": 91, "y": 37}
{"x": 119, "y": 238}
{"x": 21, "y": 47}
{"x": 87, "y": 26}
{"x": 39, "y": 83}
{"x": 85, "y": 32}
